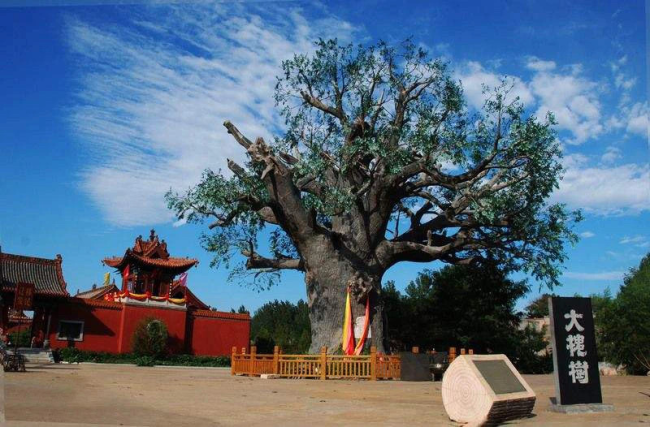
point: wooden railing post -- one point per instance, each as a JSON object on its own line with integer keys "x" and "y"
{"x": 471, "y": 351}
{"x": 462, "y": 351}
{"x": 323, "y": 363}
{"x": 415, "y": 350}
{"x": 373, "y": 363}
{"x": 232, "y": 360}
{"x": 452, "y": 354}
{"x": 251, "y": 367}
{"x": 276, "y": 359}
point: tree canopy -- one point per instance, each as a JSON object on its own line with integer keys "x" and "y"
{"x": 380, "y": 161}
{"x": 539, "y": 306}
{"x": 283, "y": 324}
{"x": 369, "y": 131}
{"x": 623, "y": 322}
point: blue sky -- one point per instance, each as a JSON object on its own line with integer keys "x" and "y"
{"x": 106, "y": 107}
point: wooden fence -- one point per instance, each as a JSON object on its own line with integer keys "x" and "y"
{"x": 322, "y": 366}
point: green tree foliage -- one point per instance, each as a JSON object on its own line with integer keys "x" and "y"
{"x": 150, "y": 338}
{"x": 623, "y": 323}
{"x": 240, "y": 310}
{"x": 23, "y": 337}
{"x": 283, "y": 324}
{"x": 464, "y": 306}
{"x": 539, "y": 306}
{"x": 355, "y": 183}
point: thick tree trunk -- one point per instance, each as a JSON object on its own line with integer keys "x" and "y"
{"x": 326, "y": 279}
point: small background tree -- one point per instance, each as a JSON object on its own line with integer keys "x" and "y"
{"x": 469, "y": 306}
{"x": 150, "y": 338}
{"x": 284, "y": 324}
{"x": 538, "y": 307}
{"x": 623, "y": 323}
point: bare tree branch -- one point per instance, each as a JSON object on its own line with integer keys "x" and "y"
{"x": 255, "y": 261}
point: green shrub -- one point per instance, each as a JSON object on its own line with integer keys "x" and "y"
{"x": 189, "y": 360}
{"x": 73, "y": 355}
{"x": 23, "y": 337}
{"x": 145, "y": 361}
{"x": 150, "y": 338}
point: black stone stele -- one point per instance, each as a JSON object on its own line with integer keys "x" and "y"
{"x": 575, "y": 360}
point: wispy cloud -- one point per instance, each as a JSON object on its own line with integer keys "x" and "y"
{"x": 603, "y": 276}
{"x": 617, "y": 190}
{"x": 536, "y": 64}
{"x": 587, "y": 234}
{"x": 611, "y": 155}
{"x": 474, "y": 76}
{"x": 572, "y": 97}
{"x": 154, "y": 92}
{"x": 638, "y": 241}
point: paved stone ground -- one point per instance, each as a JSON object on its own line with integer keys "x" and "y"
{"x": 127, "y": 395}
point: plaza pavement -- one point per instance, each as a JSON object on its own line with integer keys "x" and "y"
{"x": 94, "y": 394}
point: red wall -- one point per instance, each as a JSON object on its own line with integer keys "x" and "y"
{"x": 109, "y": 326}
{"x": 212, "y": 335}
{"x": 101, "y": 326}
{"x": 174, "y": 319}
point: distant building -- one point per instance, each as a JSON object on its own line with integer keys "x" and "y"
{"x": 104, "y": 318}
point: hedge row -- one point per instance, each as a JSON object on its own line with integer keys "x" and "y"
{"x": 73, "y": 355}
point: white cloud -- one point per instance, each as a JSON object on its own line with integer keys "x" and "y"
{"x": 611, "y": 155}
{"x": 155, "y": 92}
{"x": 604, "y": 276}
{"x": 637, "y": 119}
{"x": 587, "y": 234}
{"x": 473, "y": 76}
{"x": 638, "y": 240}
{"x": 536, "y": 64}
{"x": 621, "y": 80}
{"x": 623, "y": 189}
{"x": 573, "y": 100}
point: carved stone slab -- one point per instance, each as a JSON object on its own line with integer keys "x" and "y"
{"x": 481, "y": 389}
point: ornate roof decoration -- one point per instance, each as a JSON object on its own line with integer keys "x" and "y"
{"x": 45, "y": 274}
{"x": 151, "y": 253}
{"x": 192, "y": 300}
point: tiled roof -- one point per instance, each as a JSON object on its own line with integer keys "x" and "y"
{"x": 45, "y": 274}
{"x": 175, "y": 263}
{"x": 153, "y": 253}
{"x": 221, "y": 314}
{"x": 97, "y": 293}
{"x": 192, "y": 300}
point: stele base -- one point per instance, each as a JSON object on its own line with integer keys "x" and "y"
{"x": 580, "y": 408}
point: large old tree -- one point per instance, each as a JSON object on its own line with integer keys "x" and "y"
{"x": 379, "y": 163}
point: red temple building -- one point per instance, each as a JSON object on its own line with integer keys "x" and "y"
{"x": 104, "y": 318}
{"x": 49, "y": 292}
